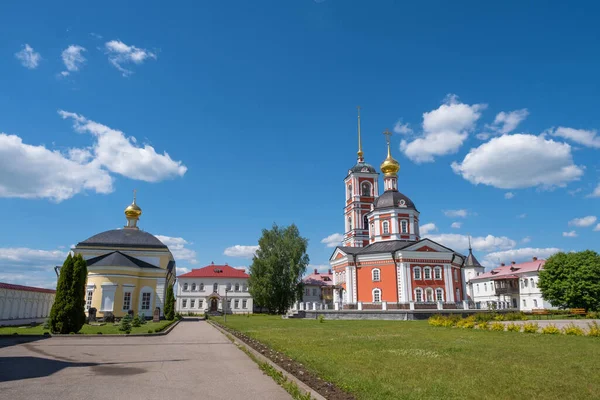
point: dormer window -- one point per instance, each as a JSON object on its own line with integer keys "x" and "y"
{"x": 404, "y": 226}
{"x": 386, "y": 227}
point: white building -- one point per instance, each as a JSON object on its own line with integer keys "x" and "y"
{"x": 318, "y": 288}
{"x": 24, "y": 302}
{"x": 509, "y": 286}
{"x": 205, "y": 289}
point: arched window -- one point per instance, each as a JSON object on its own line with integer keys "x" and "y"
{"x": 244, "y": 288}
{"x": 365, "y": 189}
{"x": 375, "y": 274}
{"x": 376, "y": 295}
{"x": 215, "y": 287}
{"x": 237, "y": 287}
{"x": 185, "y": 286}
{"x": 535, "y": 303}
{"x": 437, "y": 273}
{"x": 386, "y": 227}
{"x": 526, "y": 282}
{"x": 419, "y": 295}
{"x": 349, "y": 223}
{"x": 477, "y": 287}
{"x": 439, "y": 294}
{"x": 427, "y": 272}
{"x": 201, "y": 287}
{"x": 417, "y": 272}
{"x": 485, "y": 287}
{"x": 532, "y": 283}
{"x": 229, "y": 287}
{"x": 365, "y": 222}
{"x": 457, "y": 294}
{"x": 372, "y": 229}
{"x": 349, "y": 190}
{"x": 404, "y": 226}
{"x": 193, "y": 286}
{"x": 429, "y": 295}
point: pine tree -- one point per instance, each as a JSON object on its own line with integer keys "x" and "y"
{"x": 78, "y": 292}
{"x": 68, "y": 311}
{"x": 125, "y": 325}
{"x": 170, "y": 303}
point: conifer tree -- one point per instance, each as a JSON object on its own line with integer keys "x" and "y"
{"x": 68, "y": 311}
{"x": 170, "y": 303}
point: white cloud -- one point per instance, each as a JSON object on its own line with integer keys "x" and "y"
{"x": 182, "y": 270}
{"x": 31, "y": 256}
{"x": 241, "y": 251}
{"x": 506, "y": 122}
{"x": 120, "y": 54}
{"x": 29, "y": 58}
{"x": 596, "y": 192}
{"x": 31, "y": 172}
{"x": 522, "y": 216}
{"x": 403, "y": 129}
{"x": 583, "y": 222}
{"x": 456, "y": 213}
{"x": 30, "y": 267}
{"x": 456, "y": 225}
{"x": 73, "y": 59}
{"x": 509, "y": 195}
{"x": 321, "y": 268}
{"x": 427, "y": 228}
{"x": 518, "y": 255}
{"x": 333, "y": 240}
{"x": 120, "y": 154}
{"x": 444, "y": 130}
{"x": 526, "y": 239}
{"x": 480, "y": 243}
{"x": 95, "y": 35}
{"x": 570, "y": 234}
{"x": 587, "y": 138}
{"x": 519, "y": 161}
{"x": 177, "y": 246}
{"x": 597, "y": 228}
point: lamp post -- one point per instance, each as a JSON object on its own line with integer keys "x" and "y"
{"x": 225, "y": 305}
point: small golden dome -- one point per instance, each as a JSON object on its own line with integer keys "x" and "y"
{"x": 133, "y": 211}
{"x": 389, "y": 166}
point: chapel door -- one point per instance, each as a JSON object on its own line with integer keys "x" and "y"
{"x": 213, "y": 304}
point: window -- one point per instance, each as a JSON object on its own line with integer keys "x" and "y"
{"x": 126, "y": 301}
{"x": 349, "y": 190}
{"x": 523, "y": 284}
{"x": 185, "y": 287}
{"x": 429, "y": 294}
{"x": 193, "y": 287}
{"x": 349, "y": 223}
{"x": 372, "y": 229}
{"x": 192, "y": 303}
{"x": 200, "y": 303}
{"x": 477, "y": 287}
{"x": 184, "y": 303}
{"x": 376, "y": 295}
{"x": 244, "y": 303}
{"x": 526, "y": 282}
{"x": 215, "y": 287}
{"x": 375, "y": 275}
{"x": 229, "y": 304}
{"x": 485, "y": 287}
{"x": 386, "y": 227}
{"x": 314, "y": 291}
{"x": 417, "y": 272}
{"x": 457, "y": 297}
{"x": 236, "y": 303}
{"x": 524, "y": 303}
{"x": 532, "y": 283}
{"x": 245, "y": 288}
{"x": 437, "y": 273}
{"x": 419, "y": 295}
{"x": 307, "y": 292}
{"x": 88, "y": 300}
{"x": 201, "y": 287}
{"x": 492, "y": 286}
{"x": 404, "y": 226}
{"x": 455, "y": 276}
{"x": 146, "y": 300}
{"x": 366, "y": 189}
{"x": 535, "y": 303}
{"x": 439, "y": 294}
{"x": 237, "y": 287}
{"x": 229, "y": 287}
{"x": 365, "y": 222}
{"x": 427, "y": 272}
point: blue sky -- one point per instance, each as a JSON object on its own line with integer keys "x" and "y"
{"x": 230, "y": 116}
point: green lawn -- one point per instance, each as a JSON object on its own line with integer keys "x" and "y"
{"x": 108, "y": 329}
{"x": 411, "y": 360}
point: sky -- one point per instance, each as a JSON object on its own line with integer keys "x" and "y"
{"x": 228, "y": 117}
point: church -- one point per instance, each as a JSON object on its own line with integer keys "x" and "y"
{"x": 128, "y": 269}
{"x": 383, "y": 263}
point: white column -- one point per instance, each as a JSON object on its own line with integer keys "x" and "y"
{"x": 349, "y": 297}
{"x": 465, "y": 304}
{"x": 384, "y": 305}
{"x": 409, "y": 289}
{"x": 449, "y": 284}
{"x": 314, "y": 306}
{"x": 336, "y": 306}
{"x": 440, "y": 305}
{"x": 360, "y": 305}
{"x": 412, "y": 305}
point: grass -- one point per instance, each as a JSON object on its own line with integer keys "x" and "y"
{"x": 107, "y": 329}
{"x": 412, "y": 360}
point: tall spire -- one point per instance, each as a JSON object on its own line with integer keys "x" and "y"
{"x": 360, "y": 152}
{"x": 470, "y": 249}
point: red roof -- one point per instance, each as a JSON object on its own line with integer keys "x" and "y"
{"x": 318, "y": 279}
{"x": 512, "y": 270}
{"x": 216, "y": 271}
{"x": 25, "y": 288}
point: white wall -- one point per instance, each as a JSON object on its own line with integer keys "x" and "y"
{"x": 202, "y": 296}
{"x": 24, "y": 304}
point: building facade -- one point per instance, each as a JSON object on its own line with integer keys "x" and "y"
{"x": 510, "y": 286}
{"x": 383, "y": 262}
{"x": 318, "y": 288}
{"x": 24, "y": 302}
{"x": 214, "y": 288}
{"x": 128, "y": 269}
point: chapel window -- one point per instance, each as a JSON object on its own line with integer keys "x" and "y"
{"x": 215, "y": 287}
{"x": 376, "y": 295}
{"x": 427, "y": 272}
{"x": 375, "y": 275}
{"x": 404, "y": 226}
{"x": 366, "y": 189}
{"x": 386, "y": 227}
{"x": 419, "y": 295}
{"x": 437, "y": 273}
{"x": 439, "y": 294}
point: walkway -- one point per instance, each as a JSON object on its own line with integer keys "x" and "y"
{"x": 559, "y": 323}
{"x": 193, "y": 361}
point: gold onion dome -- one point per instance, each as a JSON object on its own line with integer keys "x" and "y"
{"x": 133, "y": 210}
{"x": 390, "y": 166}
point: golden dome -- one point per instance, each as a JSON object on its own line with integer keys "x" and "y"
{"x": 133, "y": 210}
{"x": 389, "y": 166}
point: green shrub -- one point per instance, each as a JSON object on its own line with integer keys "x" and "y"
{"x": 99, "y": 333}
{"x": 178, "y": 316}
{"x": 143, "y": 319}
{"x": 170, "y": 303}
{"x": 573, "y": 330}
{"x": 484, "y": 317}
{"x": 515, "y": 316}
{"x": 550, "y": 330}
{"x": 594, "y": 329}
{"x": 530, "y": 327}
{"x": 46, "y": 333}
{"x": 468, "y": 322}
{"x": 485, "y": 325}
{"x": 149, "y": 330}
{"x": 125, "y": 324}
{"x": 593, "y": 315}
{"x": 435, "y": 320}
{"x": 498, "y": 317}
{"x": 497, "y": 326}
{"x": 136, "y": 321}
{"x": 512, "y": 327}
{"x": 157, "y": 330}
{"x": 321, "y": 318}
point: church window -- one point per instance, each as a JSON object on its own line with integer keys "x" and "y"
{"x": 365, "y": 222}
{"x": 126, "y": 301}
{"x": 417, "y": 272}
{"x": 201, "y": 287}
{"x": 526, "y": 282}
{"x": 229, "y": 287}
{"x": 245, "y": 288}
{"x": 193, "y": 287}
{"x": 455, "y": 275}
{"x": 146, "y": 300}
{"x": 215, "y": 287}
{"x": 237, "y": 287}
{"x": 184, "y": 303}
{"x": 535, "y": 303}
{"x": 524, "y": 303}
{"x": 439, "y": 294}
{"x": 386, "y": 227}
{"x": 185, "y": 287}
{"x": 485, "y": 287}
{"x": 88, "y": 300}
{"x": 307, "y": 292}
{"x": 192, "y": 303}
{"x": 437, "y": 273}
{"x": 457, "y": 295}
{"x": 418, "y": 295}
{"x": 375, "y": 275}
{"x": 429, "y": 294}
{"x": 376, "y": 295}
{"x": 427, "y": 272}
{"x": 477, "y": 287}
{"x": 349, "y": 191}
{"x": 236, "y": 303}
{"x": 244, "y": 303}
{"x": 349, "y": 223}
{"x": 314, "y": 291}
{"x": 404, "y": 226}
{"x": 200, "y": 303}
{"x": 372, "y": 229}
{"x": 532, "y": 283}
{"x": 229, "y": 304}
{"x": 366, "y": 189}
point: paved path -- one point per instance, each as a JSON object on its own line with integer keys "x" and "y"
{"x": 194, "y": 361}
{"x": 559, "y": 323}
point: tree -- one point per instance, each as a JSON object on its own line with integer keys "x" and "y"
{"x": 170, "y": 303}
{"x": 572, "y": 280}
{"x": 277, "y": 268}
{"x": 68, "y": 311}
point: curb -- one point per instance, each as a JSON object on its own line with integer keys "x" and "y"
{"x": 94, "y": 335}
{"x": 301, "y": 385}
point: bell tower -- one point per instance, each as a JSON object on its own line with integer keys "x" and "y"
{"x": 361, "y": 187}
